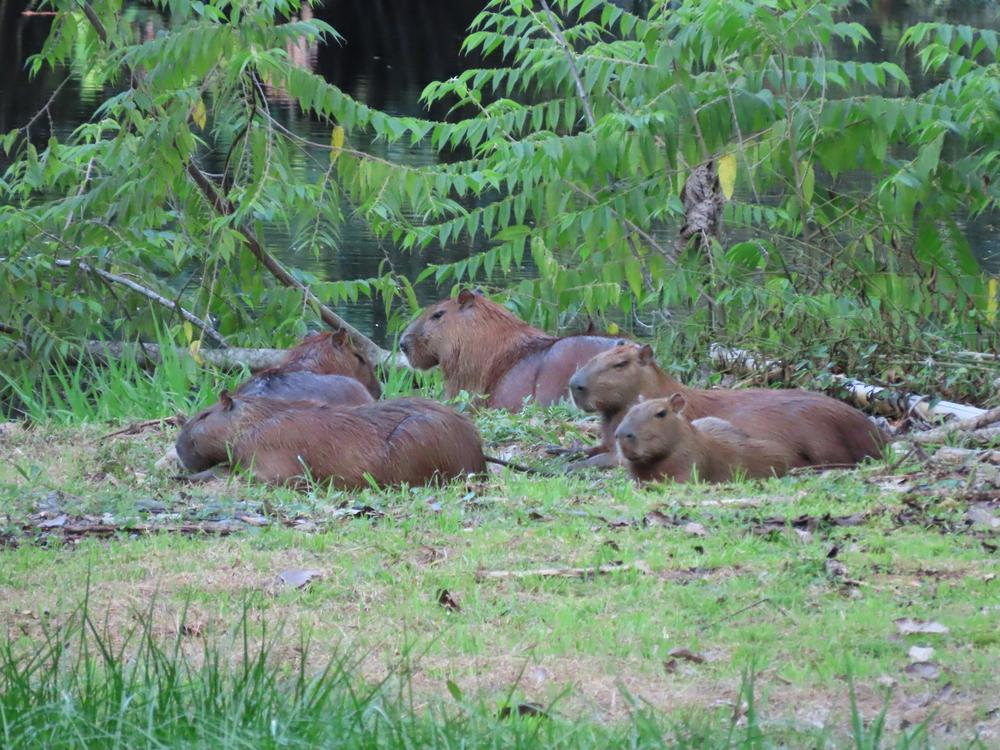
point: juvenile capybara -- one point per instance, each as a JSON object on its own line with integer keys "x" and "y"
{"x": 332, "y": 353}
{"x": 339, "y": 390}
{"x": 488, "y": 351}
{"x": 657, "y": 440}
{"x": 817, "y": 429}
{"x": 289, "y": 442}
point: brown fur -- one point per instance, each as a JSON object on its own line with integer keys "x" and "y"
{"x": 339, "y": 390}
{"x": 486, "y": 350}
{"x": 332, "y": 353}
{"x": 399, "y": 441}
{"x": 657, "y": 440}
{"x": 819, "y": 429}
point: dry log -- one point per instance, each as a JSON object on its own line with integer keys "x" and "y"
{"x": 884, "y": 401}
{"x": 965, "y": 425}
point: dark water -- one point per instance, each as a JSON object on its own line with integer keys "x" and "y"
{"x": 393, "y": 49}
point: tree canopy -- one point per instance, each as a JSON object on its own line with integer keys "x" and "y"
{"x": 840, "y": 188}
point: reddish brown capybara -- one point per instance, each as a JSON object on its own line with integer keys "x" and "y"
{"x": 488, "y": 351}
{"x": 657, "y": 440}
{"x": 399, "y": 441}
{"x": 818, "y": 430}
{"x": 331, "y": 353}
{"x": 339, "y": 390}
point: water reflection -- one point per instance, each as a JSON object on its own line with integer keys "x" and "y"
{"x": 391, "y": 50}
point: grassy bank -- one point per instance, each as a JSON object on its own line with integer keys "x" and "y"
{"x": 445, "y": 598}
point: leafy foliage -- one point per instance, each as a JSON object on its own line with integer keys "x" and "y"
{"x": 568, "y": 153}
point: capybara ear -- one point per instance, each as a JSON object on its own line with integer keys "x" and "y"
{"x": 645, "y": 354}
{"x": 339, "y": 337}
{"x": 465, "y": 297}
{"x": 226, "y": 400}
{"x": 678, "y": 402}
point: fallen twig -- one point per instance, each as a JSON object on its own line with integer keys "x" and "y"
{"x": 616, "y": 567}
{"x": 741, "y": 610}
{"x": 136, "y": 427}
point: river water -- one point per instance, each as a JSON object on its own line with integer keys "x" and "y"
{"x": 393, "y": 49}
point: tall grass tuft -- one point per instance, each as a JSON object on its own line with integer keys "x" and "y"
{"x": 87, "y": 390}
{"x": 79, "y": 684}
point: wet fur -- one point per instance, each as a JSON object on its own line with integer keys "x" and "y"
{"x": 486, "y": 350}
{"x": 330, "y": 353}
{"x": 818, "y": 429}
{"x": 332, "y": 389}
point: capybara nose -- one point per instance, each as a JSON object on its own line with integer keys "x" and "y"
{"x": 628, "y": 436}
{"x": 577, "y": 385}
{"x": 405, "y": 346}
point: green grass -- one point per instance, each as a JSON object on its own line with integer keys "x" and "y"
{"x": 748, "y": 595}
{"x": 186, "y": 639}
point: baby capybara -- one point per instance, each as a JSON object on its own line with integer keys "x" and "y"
{"x": 488, "y": 351}
{"x": 656, "y": 440}
{"x": 290, "y": 442}
{"x": 331, "y": 353}
{"x": 817, "y": 429}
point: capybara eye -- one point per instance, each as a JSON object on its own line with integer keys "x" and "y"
{"x": 437, "y": 315}
{"x": 620, "y": 365}
{"x": 360, "y": 358}
{"x": 661, "y": 414}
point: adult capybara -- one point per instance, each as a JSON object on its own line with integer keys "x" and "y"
{"x": 403, "y": 440}
{"x": 488, "y": 351}
{"x": 339, "y": 390}
{"x": 331, "y": 353}
{"x": 657, "y": 440}
{"x": 818, "y": 429}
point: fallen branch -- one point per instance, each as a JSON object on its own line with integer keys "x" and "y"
{"x": 500, "y": 575}
{"x": 149, "y": 294}
{"x": 965, "y": 425}
{"x": 883, "y": 401}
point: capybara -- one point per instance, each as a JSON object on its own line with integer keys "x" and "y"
{"x": 657, "y": 440}
{"x": 331, "y": 353}
{"x": 339, "y": 390}
{"x": 403, "y": 440}
{"x": 817, "y": 429}
{"x": 488, "y": 351}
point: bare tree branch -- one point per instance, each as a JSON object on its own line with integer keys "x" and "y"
{"x": 223, "y": 207}
{"x": 560, "y": 38}
{"x": 149, "y": 294}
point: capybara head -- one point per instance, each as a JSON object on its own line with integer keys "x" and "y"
{"x": 443, "y": 329}
{"x": 652, "y": 429}
{"x": 613, "y": 379}
{"x": 332, "y": 353}
{"x": 202, "y": 441}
